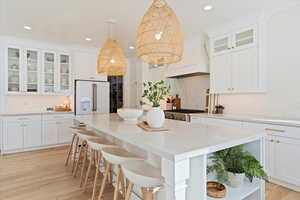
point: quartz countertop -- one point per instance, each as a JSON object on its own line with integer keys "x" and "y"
{"x": 182, "y": 139}
{"x": 34, "y": 113}
{"x": 253, "y": 118}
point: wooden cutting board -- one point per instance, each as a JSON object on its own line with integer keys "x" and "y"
{"x": 144, "y": 125}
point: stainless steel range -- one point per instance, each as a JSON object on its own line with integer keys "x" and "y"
{"x": 182, "y": 114}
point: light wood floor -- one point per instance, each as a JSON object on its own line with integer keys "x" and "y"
{"x": 41, "y": 175}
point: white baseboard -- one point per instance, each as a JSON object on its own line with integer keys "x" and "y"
{"x": 285, "y": 184}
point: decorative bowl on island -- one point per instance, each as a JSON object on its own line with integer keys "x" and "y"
{"x": 130, "y": 114}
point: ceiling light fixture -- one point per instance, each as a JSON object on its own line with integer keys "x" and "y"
{"x": 160, "y": 38}
{"x": 27, "y": 27}
{"x": 131, "y": 47}
{"x": 208, "y": 7}
{"x": 88, "y": 39}
{"x": 111, "y": 59}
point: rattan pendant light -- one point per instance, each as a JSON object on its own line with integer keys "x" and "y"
{"x": 111, "y": 59}
{"x": 160, "y": 39}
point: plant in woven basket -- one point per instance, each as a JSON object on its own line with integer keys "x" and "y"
{"x": 236, "y": 161}
{"x": 155, "y": 92}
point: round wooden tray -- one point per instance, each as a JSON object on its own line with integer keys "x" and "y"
{"x": 215, "y": 190}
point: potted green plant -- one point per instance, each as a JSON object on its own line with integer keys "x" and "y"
{"x": 234, "y": 164}
{"x": 154, "y": 92}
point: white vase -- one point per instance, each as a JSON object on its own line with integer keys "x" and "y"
{"x": 236, "y": 180}
{"x": 155, "y": 117}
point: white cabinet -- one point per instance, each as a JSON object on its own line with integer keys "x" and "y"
{"x": 21, "y": 132}
{"x": 32, "y": 131}
{"x": 65, "y": 81}
{"x": 33, "y": 71}
{"x": 220, "y": 74}
{"x": 13, "y": 135}
{"x": 49, "y": 72}
{"x": 56, "y": 129}
{"x": 27, "y": 132}
{"x": 235, "y": 64}
{"x": 64, "y": 132}
{"x": 50, "y": 132}
{"x": 14, "y": 70}
{"x": 286, "y": 161}
{"x": 85, "y": 66}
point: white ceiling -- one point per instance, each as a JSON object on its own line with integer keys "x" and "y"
{"x": 71, "y": 21}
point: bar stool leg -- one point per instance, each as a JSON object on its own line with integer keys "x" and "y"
{"x": 82, "y": 147}
{"x": 83, "y": 165}
{"x": 95, "y": 183}
{"x": 70, "y": 150}
{"x": 148, "y": 194}
{"x": 116, "y": 192}
{"x": 107, "y": 172}
{"x": 129, "y": 191}
{"x": 74, "y": 154}
{"x": 89, "y": 169}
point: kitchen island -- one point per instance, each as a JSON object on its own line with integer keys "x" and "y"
{"x": 182, "y": 153}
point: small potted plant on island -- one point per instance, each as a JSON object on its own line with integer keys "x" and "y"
{"x": 233, "y": 165}
{"x": 155, "y": 92}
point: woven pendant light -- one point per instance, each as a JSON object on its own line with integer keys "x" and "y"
{"x": 111, "y": 59}
{"x": 160, "y": 39}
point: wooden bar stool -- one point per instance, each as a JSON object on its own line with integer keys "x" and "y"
{"x": 95, "y": 145}
{"x": 143, "y": 175}
{"x": 74, "y": 133}
{"x": 82, "y": 137}
{"x": 116, "y": 156}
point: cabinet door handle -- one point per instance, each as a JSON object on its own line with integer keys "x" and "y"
{"x": 271, "y": 140}
{"x": 278, "y": 141}
{"x": 274, "y": 130}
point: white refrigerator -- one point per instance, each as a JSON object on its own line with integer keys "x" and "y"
{"x": 91, "y": 97}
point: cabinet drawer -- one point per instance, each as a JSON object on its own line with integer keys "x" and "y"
{"x": 283, "y": 131}
{"x": 22, "y": 118}
{"x": 57, "y": 116}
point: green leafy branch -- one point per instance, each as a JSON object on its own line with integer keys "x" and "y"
{"x": 155, "y": 92}
{"x": 237, "y": 161}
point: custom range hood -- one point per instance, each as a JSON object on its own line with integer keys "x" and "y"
{"x": 194, "y": 62}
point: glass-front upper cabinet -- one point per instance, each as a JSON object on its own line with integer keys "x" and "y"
{"x": 14, "y": 70}
{"x": 49, "y": 72}
{"x": 244, "y": 38}
{"x": 32, "y": 71}
{"x": 64, "y": 73}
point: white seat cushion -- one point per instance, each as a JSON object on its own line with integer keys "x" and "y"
{"x": 116, "y": 155}
{"x": 142, "y": 174}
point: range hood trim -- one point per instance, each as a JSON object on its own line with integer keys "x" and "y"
{"x": 188, "y": 75}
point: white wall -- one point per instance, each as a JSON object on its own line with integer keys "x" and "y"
{"x": 130, "y": 93}
{"x": 283, "y": 71}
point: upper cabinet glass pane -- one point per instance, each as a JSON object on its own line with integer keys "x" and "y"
{"x": 221, "y": 44}
{"x": 64, "y": 74}
{"x": 244, "y": 38}
{"x": 49, "y": 70}
{"x": 13, "y": 84}
{"x": 32, "y": 70}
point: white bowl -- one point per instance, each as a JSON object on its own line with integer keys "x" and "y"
{"x": 130, "y": 114}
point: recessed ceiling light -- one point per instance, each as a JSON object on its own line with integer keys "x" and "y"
{"x": 88, "y": 39}
{"x": 207, "y": 7}
{"x": 27, "y": 27}
{"x": 131, "y": 47}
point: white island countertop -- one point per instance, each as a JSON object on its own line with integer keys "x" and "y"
{"x": 182, "y": 140}
{"x": 253, "y": 118}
